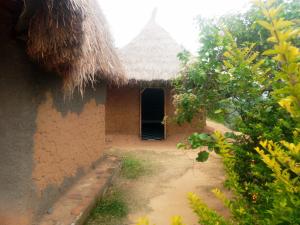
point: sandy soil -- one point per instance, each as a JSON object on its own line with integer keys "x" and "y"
{"x": 163, "y": 194}
{"x": 211, "y": 125}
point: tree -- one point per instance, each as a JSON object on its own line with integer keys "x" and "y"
{"x": 257, "y": 92}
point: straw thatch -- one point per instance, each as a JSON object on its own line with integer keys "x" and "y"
{"x": 71, "y": 37}
{"x": 152, "y": 55}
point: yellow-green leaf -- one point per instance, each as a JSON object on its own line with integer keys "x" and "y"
{"x": 266, "y": 25}
{"x": 270, "y": 52}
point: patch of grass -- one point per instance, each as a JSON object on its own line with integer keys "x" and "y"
{"x": 110, "y": 209}
{"x": 133, "y": 167}
{"x": 112, "y": 204}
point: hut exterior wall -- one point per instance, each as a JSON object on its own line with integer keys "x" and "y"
{"x": 123, "y": 110}
{"x": 123, "y": 113}
{"x": 66, "y": 145}
{"x": 46, "y": 142}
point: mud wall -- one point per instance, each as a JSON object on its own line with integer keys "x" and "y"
{"x": 63, "y": 144}
{"x": 123, "y": 110}
{"x": 69, "y": 138}
{"x": 123, "y": 113}
{"x": 46, "y": 142}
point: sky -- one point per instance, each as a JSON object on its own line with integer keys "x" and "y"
{"x": 127, "y": 18}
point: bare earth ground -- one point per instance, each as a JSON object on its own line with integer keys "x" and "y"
{"x": 163, "y": 193}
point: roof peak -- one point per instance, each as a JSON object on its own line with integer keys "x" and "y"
{"x": 152, "y": 54}
{"x": 154, "y": 13}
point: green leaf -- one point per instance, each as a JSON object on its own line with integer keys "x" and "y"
{"x": 202, "y": 156}
{"x": 229, "y": 135}
{"x": 218, "y": 111}
{"x": 181, "y": 146}
{"x": 279, "y": 24}
{"x": 203, "y": 137}
{"x": 272, "y": 39}
{"x": 265, "y": 24}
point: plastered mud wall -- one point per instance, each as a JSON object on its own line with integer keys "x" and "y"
{"x": 46, "y": 142}
{"x": 123, "y": 110}
{"x": 64, "y": 143}
{"x": 17, "y": 128}
{"x": 123, "y": 113}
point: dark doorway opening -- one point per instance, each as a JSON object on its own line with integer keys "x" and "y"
{"x": 152, "y": 106}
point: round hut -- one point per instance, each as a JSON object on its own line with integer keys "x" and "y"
{"x": 144, "y": 106}
{"x": 56, "y": 59}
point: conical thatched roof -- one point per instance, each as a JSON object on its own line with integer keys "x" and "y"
{"x": 152, "y": 55}
{"x": 72, "y": 38}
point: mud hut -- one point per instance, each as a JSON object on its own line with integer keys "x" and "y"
{"x": 142, "y": 106}
{"x": 56, "y": 59}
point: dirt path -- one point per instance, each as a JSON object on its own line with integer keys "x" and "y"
{"x": 163, "y": 194}
{"x": 211, "y": 125}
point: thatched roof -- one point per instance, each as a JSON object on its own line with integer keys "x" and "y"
{"x": 152, "y": 55}
{"x": 71, "y": 37}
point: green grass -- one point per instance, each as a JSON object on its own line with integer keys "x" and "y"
{"x": 112, "y": 204}
{"x": 133, "y": 168}
{"x": 111, "y": 209}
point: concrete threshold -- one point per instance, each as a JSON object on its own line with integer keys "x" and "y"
{"x": 74, "y": 207}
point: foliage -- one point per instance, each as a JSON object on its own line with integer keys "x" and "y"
{"x": 112, "y": 204}
{"x": 288, "y": 56}
{"x": 247, "y": 75}
{"x": 204, "y": 77}
{"x": 206, "y": 215}
{"x": 176, "y": 220}
{"x": 193, "y": 86}
{"x": 253, "y": 85}
{"x": 143, "y": 221}
{"x": 109, "y": 209}
{"x": 132, "y": 167}
{"x": 284, "y": 160}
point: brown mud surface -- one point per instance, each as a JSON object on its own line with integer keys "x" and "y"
{"x": 174, "y": 173}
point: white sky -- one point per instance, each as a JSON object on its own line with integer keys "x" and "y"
{"x": 127, "y": 17}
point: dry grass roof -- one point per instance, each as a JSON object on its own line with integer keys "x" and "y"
{"x": 152, "y": 55}
{"x": 72, "y": 38}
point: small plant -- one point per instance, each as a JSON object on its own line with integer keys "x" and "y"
{"x": 176, "y": 220}
{"x": 143, "y": 221}
{"x": 133, "y": 168}
{"x": 206, "y": 215}
{"x": 112, "y": 204}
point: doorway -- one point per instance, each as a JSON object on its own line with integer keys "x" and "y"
{"x": 152, "y": 114}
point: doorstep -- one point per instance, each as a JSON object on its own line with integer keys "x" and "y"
{"x": 75, "y": 205}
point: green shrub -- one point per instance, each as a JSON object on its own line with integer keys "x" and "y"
{"x": 258, "y": 87}
{"x": 248, "y": 72}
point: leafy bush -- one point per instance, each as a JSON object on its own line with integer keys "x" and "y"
{"x": 247, "y": 75}
{"x": 255, "y": 87}
{"x": 206, "y": 215}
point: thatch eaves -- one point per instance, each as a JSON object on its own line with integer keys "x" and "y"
{"x": 152, "y": 55}
{"x": 72, "y": 38}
